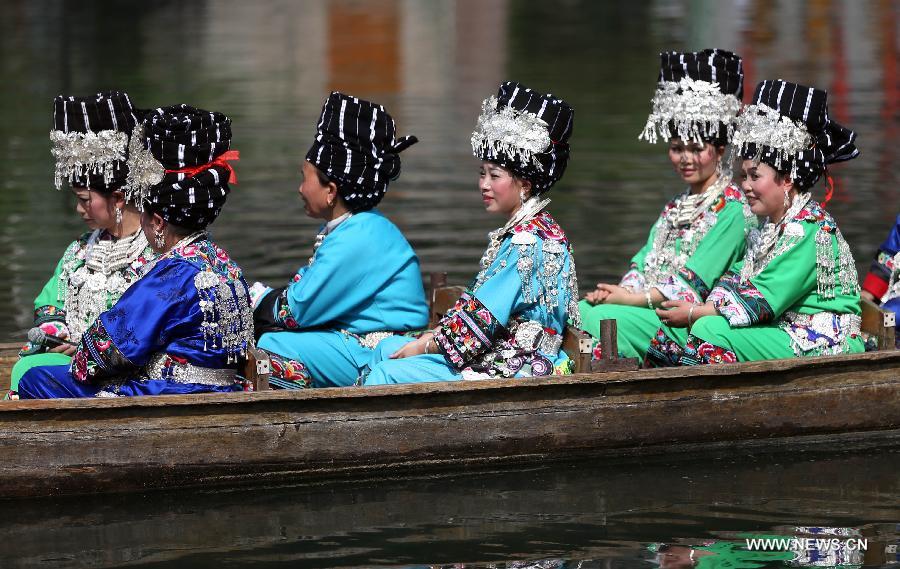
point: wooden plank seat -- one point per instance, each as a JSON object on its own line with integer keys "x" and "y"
{"x": 879, "y": 324}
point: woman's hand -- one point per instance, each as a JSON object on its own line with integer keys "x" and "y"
{"x": 66, "y": 349}
{"x": 675, "y": 313}
{"x": 415, "y": 348}
{"x": 616, "y": 294}
{"x": 869, "y": 296}
{"x": 598, "y": 295}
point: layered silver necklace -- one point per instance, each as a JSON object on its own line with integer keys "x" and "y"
{"x": 773, "y": 239}
{"x": 681, "y": 221}
{"x": 529, "y": 210}
{"x": 106, "y": 272}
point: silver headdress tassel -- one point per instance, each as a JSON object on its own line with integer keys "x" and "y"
{"x": 79, "y": 153}
{"x": 696, "y": 108}
{"x": 764, "y": 126}
{"x": 144, "y": 170}
{"x": 511, "y": 132}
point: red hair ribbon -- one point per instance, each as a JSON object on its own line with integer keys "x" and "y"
{"x": 221, "y": 161}
{"x": 829, "y": 189}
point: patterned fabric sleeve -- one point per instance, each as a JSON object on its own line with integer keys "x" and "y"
{"x": 722, "y": 246}
{"x": 49, "y": 311}
{"x": 478, "y": 321}
{"x": 876, "y": 282}
{"x": 741, "y": 303}
{"x": 468, "y": 331}
{"x": 119, "y": 343}
{"x": 786, "y": 279}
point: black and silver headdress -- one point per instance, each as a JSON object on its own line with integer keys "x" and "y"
{"x": 526, "y": 132}
{"x": 355, "y": 146}
{"x": 697, "y": 97}
{"x": 179, "y": 165}
{"x": 90, "y": 140}
{"x": 787, "y": 126}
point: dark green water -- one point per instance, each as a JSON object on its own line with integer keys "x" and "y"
{"x": 269, "y": 64}
{"x": 597, "y": 513}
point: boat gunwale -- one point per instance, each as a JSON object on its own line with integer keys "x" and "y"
{"x": 612, "y": 378}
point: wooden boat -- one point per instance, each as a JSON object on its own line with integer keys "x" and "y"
{"x": 85, "y": 446}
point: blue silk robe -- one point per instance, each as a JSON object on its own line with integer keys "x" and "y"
{"x": 362, "y": 284}
{"x": 179, "y": 329}
{"x": 509, "y": 323}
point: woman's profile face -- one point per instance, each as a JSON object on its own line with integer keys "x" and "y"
{"x": 694, "y": 162}
{"x": 96, "y": 209}
{"x": 313, "y": 193}
{"x": 501, "y": 192}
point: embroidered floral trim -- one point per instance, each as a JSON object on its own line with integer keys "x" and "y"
{"x": 469, "y": 332}
{"x": 510, "y": 132}
{"x": 695, "y": 282}
{"x": 288, "y": 373}
{"x": 49, "y": 313}
{"x": 740, "y": 302}
{"x": 554, "y": 248}
{"x": 77, "y": 153}
{"x": 663, "y": 351}
{"x": 696, "y": 108}
{"x": 51, "y": 328}
{"x": 699, "y": 352}
{"x": 283, "y": 315}
{"x": 97, "y": 356}
{"x": 633, "y": 281}
{"x": 893, "y": 289}
{"x": 822, "y": 333}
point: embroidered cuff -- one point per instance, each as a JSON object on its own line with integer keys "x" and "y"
{"x": 633, "y": 280}
{"x": 741, "y": 303}
{"x": 49, "y": 313}
{"x": 469, "y": 331}
{"x": 97, "y": 356}
{"x": 875, "y": 284}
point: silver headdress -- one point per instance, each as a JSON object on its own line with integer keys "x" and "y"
{"x": 516, "y": 134}
{"x": 144, "y": 170}
{"x": 763, "y": 126}
{"x": 696, "y": 108}
{"x": 80, "y": 153}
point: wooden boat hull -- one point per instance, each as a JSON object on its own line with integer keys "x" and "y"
{"x": 86, "y": 446}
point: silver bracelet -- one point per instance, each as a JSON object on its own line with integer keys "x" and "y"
{"x": 691, "y": 315}
{"x": 649, "y": 301}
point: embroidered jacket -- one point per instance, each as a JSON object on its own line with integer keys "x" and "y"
{"x": 510, "y": 321}
{"x": 806, "y": 284}
{"x": 683, "y": 262}
{"x": 188, "y": 318}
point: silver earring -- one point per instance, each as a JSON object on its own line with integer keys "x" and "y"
{"x": 118, "y": 216}
{"x": 159, "y": 239}
{"x": 522, "y": 196}
{"x": 787, "y": 200}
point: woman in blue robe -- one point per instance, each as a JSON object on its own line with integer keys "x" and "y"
{"x": 183, "y": 325}
{"x": 882, "y": 284}
{"x": 510, "y": 321}
{"x": 363, "y": 282}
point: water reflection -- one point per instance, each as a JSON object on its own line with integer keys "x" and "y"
{"x": 270, "y": 64}
{"x": 605, "y": 511}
